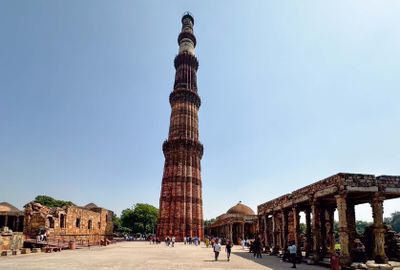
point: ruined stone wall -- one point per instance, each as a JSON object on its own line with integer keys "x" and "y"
{"x": 70, "y": 223}
{"x": 11, "y": 241}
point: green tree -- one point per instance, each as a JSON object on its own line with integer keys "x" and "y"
{"x": 361, "y": 225}
{"x": 145, "y": 218}
{"x": 124, "y": 230}
{"x": 117, "y": 222}
{"x": 208, "y": 222}
{"x": 303, "y": 228}
{"x": 336, "y": 229}
{"x": 141, "y": 218}
{"x": 127, "y": 218}
{"x": 394, "y": 221}
{"x": 51, "y": 202}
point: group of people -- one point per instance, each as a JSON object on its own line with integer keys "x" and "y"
{"x": 170, "y": 241}
{"x": 42, "y": 236}
{"x": 256, "y": 248}
{"x": 189, "y": 240}
{"x": 216, "y": 244}
{"x": 154, "y": 240}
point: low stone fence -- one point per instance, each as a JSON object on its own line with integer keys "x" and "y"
{"x": 11, "y": 241}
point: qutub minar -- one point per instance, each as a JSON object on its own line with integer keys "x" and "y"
{"x": 181, "y": 205}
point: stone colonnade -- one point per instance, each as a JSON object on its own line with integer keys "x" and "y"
{"x": 282, "y": 226}
{"x": 280, "y": 221}
{"x": 13, "y": 222}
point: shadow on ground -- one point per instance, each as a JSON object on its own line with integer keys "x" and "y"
{"x": 274, "y": 262}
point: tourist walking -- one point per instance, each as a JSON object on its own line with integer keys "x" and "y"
{"x": 217, "y": 249}
{"x": 173, "y": 241}
{"x": 207, "y": 241}
{"x": 257, "y": 247}
{"x": 293, "y": 251}
{"x": 228, "y": 249}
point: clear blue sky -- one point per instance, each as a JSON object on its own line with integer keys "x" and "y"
{"x": 292, "y": 92}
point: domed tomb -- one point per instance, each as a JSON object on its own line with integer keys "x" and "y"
{"x": 241, "y": 209}
{"x": 238, "y": 223}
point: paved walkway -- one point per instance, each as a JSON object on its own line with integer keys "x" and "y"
{"x": 142, "y": 255}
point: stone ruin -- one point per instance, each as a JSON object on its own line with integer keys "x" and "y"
{"x": 279, "y": 219}
{"x": 87, "y": 225}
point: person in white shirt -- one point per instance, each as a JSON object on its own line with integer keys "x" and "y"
{"x": 173, "y": 241}
{"x": 217, "y": 249}
{"x": 293, "y": 251}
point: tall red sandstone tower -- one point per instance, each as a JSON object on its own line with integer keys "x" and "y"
{"x": 181, "y": 206}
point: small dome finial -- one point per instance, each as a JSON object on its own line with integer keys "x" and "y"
{"x": 188, "y": 15}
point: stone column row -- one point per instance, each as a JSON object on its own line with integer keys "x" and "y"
{"x": 347, "y": 228}
{"x": 320, "y": 239}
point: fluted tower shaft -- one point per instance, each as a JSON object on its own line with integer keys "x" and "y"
{"x": 181, "y": 206}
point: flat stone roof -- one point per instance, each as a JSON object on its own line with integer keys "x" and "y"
{"x": 360, "y": 187}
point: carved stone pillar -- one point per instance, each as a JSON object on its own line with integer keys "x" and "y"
{"x": 278, "y": 232}
{"x": 316, "y": 229}
{"x": 273, "y": 231}
{"x": 379, "y": 230}
{"x": 296, "y": 228}
{"x": 341, "y": 202}
{"x": 18, "y": 224}
{"x": 14, "y": 220}
{"x": 6, "y": 221}
{"x": 230, "y": 231}
{"x": 323, "y": 247}
{"x": 242, "y": 229}
{"x": 284, "y": 228}
{"x": 265, "y": 229}
{"x": 308, "y": 232}
{"x": 351, "y": 223}
{"x": 330, "y": 235}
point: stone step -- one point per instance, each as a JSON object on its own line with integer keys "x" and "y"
{"x": 25, "y": 251}
{"x": 36, "y": 250}
{"x": 6, "y": 253}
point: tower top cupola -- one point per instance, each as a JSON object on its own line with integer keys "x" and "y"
{"x": 187, "y": 15}
{"x": 186, "y": 39}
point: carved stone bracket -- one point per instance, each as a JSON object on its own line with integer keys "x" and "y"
{"x": 187, "y": 59}
{"x": 188, "y": 145}
{"x": 188, "y": 35}
{"x": 184, "y": 96}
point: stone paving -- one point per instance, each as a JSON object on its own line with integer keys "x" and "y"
{"x": 142, "y": 255}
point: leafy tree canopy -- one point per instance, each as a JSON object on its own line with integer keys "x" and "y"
{"x": 117, "y": 223}
{"x": 394, "y": 221}
{"x": 208, "y": 222}
{"x": 51, "y": 202}
{"x": 361, "y": 225}
{"x": 141, "y": 218}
